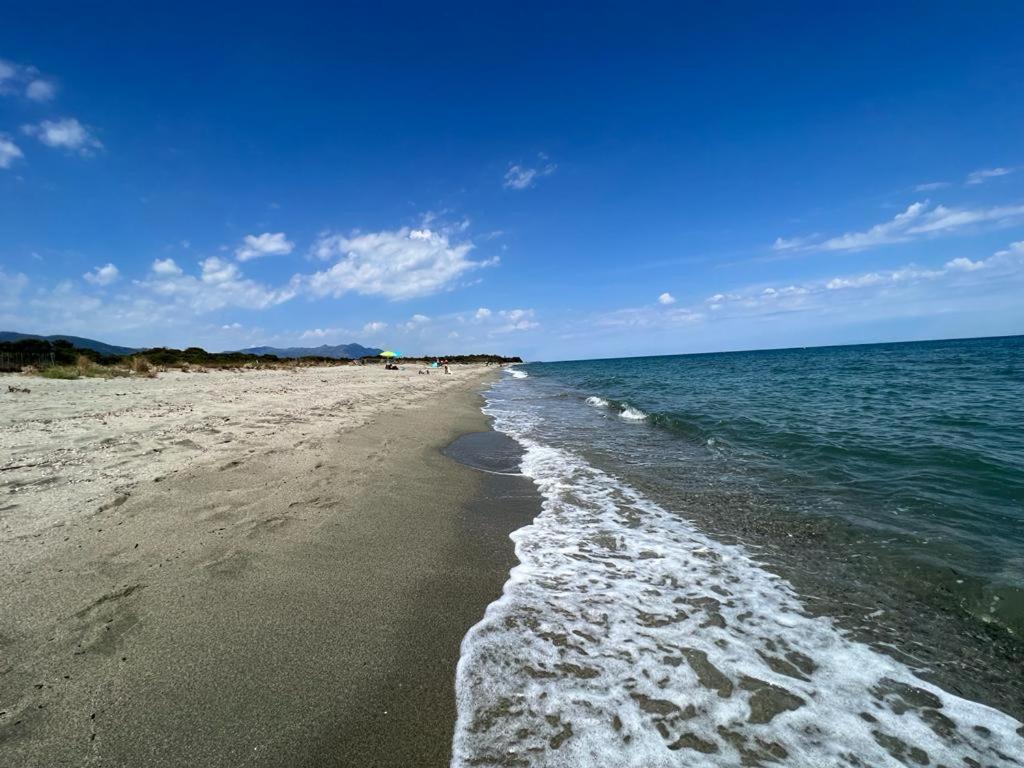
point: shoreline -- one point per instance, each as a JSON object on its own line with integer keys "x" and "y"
{"x": 299, "y": 607}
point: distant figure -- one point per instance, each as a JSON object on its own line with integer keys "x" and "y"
{"x": 446, "y": 370}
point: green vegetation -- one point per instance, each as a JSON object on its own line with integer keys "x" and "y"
{"x": 61, "y": 360}
{"x": 59, "y": 372}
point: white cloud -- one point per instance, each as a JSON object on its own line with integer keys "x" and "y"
{"x": 27, "y": 80}
{"x": 104, "y": 275}
{"x": 522, "y": 177}
{"x": 918, "y": 220}
{"x": 893, "y": 231}
{"x": 931, "y": 186}
{"x": 217, "y": 270}
{"x": 666, "y": 299}
{"x": 374, "y": 327}
{"x": 267, "y": 244}
{"x": 220, "y": 283}
{"x": 860, "y": 281}
{"x": 948, "y": 219}
{"x": 482, "y": 313}
{"x": 231, "y": 327}
{"x": 516, "y": 320}
{"x": 984, "y": 174}
{"x": 66, "y": 133}
{"x": 8, "y": 71}
{"x": 415, "y": 322}
{"x": 965, "y": 264}
{"x": 166, "y": 268}
{"x": 402, "y": 264}
{"x": 792, "y": 243}
{"x": 9, "y": 152}
{"x": 41, "y": 90}
{"x": 814, "y": 294}
{"x": 315, "y": 333}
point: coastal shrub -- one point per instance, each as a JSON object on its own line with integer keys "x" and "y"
{"x": 59, "y": 372}
{"x": 140, "y": 366}
{"x": 88, "y": 367}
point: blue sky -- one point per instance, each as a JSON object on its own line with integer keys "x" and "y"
{"x": 554, "y": 180}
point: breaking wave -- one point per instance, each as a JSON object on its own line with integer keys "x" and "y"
{"x": 626, "y": 637}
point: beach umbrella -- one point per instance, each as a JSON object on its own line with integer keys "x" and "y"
{"x": 388, "y": 353}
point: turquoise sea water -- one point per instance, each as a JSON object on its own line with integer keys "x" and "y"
{"x": 924, "y": 441}
{"x": 738, "y": 548}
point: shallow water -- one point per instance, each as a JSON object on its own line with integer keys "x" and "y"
{"x": 763, "y": 558}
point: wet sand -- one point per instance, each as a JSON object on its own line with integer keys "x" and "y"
{"x": 297, "y": 607}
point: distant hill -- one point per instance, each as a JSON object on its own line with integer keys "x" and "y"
{"x": 338, "y": 352}
{"x": 78, "y": 341}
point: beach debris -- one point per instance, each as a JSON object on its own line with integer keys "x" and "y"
{"x": 18, "y": 390}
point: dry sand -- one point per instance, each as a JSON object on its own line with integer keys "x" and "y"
{"x": 234, "y": 569}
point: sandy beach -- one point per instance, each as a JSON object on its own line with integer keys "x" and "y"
{"x": 228, "y": 569}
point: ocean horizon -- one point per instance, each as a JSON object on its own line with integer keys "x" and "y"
{"x": 744, "y": 350}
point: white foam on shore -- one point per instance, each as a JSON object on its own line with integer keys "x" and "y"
{"x": 627, "y": 638}
{"x": 517, "y": 374}
{"x": 597, "y": 402}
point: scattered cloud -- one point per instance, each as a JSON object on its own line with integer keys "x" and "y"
{"x": 25, "y": 80}
{"x": 523, "y": 177}
{"x": 231, "y": 327}
{"x": 41, "y": 90}
{"x": 793, "y": 243}
{"x": 893, "y": 231}
{"x": 920, "y": 219}
{"x": 401, "y": 264}
{"x": 66, "y": 133}
{"x": 416, "y": 322}
{"x": 220, "y": 283}
{"x": 166, "y": 268}
{"x": 267, "y": 244}
{"x": 984, "y": 174}
{"x": 8, "y": 72}
{"x": 942, "y": 219}
{"x": 316, "y": 333}
{"x": 101, "y": 276}
{"x": 815, "y": 294}
{"x": 931, "y": 186}
{"x": 482, "y": 314}
{"x": 374, "y": 327}
{"x": 9, "y": 152}
{"x": 666, "y": 299}
{"x": 516, "y": 320}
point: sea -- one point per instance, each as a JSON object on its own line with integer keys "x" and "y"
{"x": 799, "y": 557}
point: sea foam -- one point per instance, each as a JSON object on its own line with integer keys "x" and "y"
{"x": 626, "y": 637}
{"x": 517, "y": 374}
{"x": 629, "y": 413}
